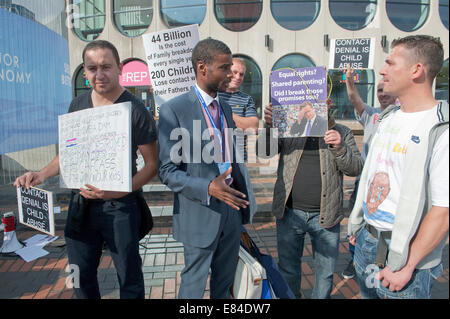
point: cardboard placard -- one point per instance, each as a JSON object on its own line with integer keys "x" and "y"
{"x": 95, "y": 148}
{"x": 290, "y": 88}
{"x": 36, "y": 209}
{"x": 359, "y": 53}
{"x": 169, "y": 63}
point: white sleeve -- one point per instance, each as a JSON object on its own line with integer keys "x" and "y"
{"x": 439, "y": 170}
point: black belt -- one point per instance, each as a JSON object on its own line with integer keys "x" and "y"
{"x": 382, "y": 248}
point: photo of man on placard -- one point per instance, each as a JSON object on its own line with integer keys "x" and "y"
{"x": 309, "y": 122}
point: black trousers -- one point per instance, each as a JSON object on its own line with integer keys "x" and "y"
{"x": 115, "y": 222}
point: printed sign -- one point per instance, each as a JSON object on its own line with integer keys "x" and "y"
{"x": 95, "y": 148}
{"x": 134, "y": 73}
{"x": 290, "y": 89}
{"x": 169, "y": 61}
{"x": 36, "y": 209}
{"x": 359, "y": 53}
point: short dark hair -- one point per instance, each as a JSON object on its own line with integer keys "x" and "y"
{"x": 206, "y": 50}
{"x": 102, "y": 44}
{"x": 427, "y": 50}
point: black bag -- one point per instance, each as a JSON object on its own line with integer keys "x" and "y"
{"x": 146, "y": 216}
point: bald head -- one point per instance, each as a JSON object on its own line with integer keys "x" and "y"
{"x": 384, "y": 99}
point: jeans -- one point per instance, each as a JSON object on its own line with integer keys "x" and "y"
{"x": 291, "y": 231}
{"x": 115, "y": 222}
{"x": 351, "y": 248}
{"x": 419, "y": 287}
{"x": 352, "y": 200}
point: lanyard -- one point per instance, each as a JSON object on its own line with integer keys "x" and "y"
{"x": 213, "y": 123}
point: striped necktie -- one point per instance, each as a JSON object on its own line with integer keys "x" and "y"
{"x": 214, "y": 109}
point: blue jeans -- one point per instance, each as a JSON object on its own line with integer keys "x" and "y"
{"x": 419, "y": 287}
{"x": 291, "y": 231}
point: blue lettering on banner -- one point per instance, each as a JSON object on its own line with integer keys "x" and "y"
{"x": 34, "y": 83}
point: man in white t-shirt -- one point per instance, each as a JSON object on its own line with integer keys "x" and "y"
{"x": 400, "y": 219}
{"x": 367, "y": 116}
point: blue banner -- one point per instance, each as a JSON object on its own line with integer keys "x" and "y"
{"x": 35, "y": 85}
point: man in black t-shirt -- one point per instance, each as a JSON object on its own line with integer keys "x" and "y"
{"x": 96, "y": 216}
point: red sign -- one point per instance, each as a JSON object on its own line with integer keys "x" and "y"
{"x": 135, "y": 73}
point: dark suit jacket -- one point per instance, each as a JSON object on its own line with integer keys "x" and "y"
{"x": 318, "y": 128}
{"x": 181, "y": 124}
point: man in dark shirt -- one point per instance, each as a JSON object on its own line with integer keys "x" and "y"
{"x": 96, "y": 216}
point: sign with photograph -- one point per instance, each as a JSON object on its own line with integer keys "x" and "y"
{"x": 299, "y": 99}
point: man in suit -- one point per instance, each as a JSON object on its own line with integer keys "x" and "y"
{"x": 212, "y": 198}
{"x": 309, "y": 123}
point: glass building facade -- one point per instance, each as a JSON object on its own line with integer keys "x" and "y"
{"x": 443, "y": 12}
{"x": 252, "y": 83}
{"x": 132, "y": 18}
{"x": 408, "y": 15}
{"x": 89, "y": 18}
{"x": 353, "y": 14}
{"x": 177, "y": 13}
{"x": 442, "y": 81}
{"x": 266, "y": 34}
{"x": 35, "y": 83}
{"x": 295, "y": 14}
{"x": 238, "y": 15}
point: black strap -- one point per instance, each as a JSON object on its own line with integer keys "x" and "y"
{"x": 382, "y": 248}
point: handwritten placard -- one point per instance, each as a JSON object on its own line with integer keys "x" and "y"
{"x": 169, "y": 61}
{"x": 36, "y": 209}
{"x": 95, "y": 148}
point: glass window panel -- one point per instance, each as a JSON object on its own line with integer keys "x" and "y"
{"x": 353, "y": 14}
{"x": 294, "y": 61}
{"x": 89, "y": 18}
{"x": 238, "y": 15}
{"x": 35, "y": 82}
{"x": 81, "y": 82}
{"x": 132, "y": 17}
{"x": 443, "y": 12}
{"x": 295, "y": 14}
{"x": 51, "y": 13}
{"x": 441, "y": 92}
{"x": 365, "y": 83}
{"x": 177, "y": 13}
{"x": 407, "y": 15}
{"x": 252, "y": 84}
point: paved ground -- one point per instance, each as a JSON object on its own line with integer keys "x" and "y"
{"x": 162, "y": 256}
{"x": 45, "y": 278}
